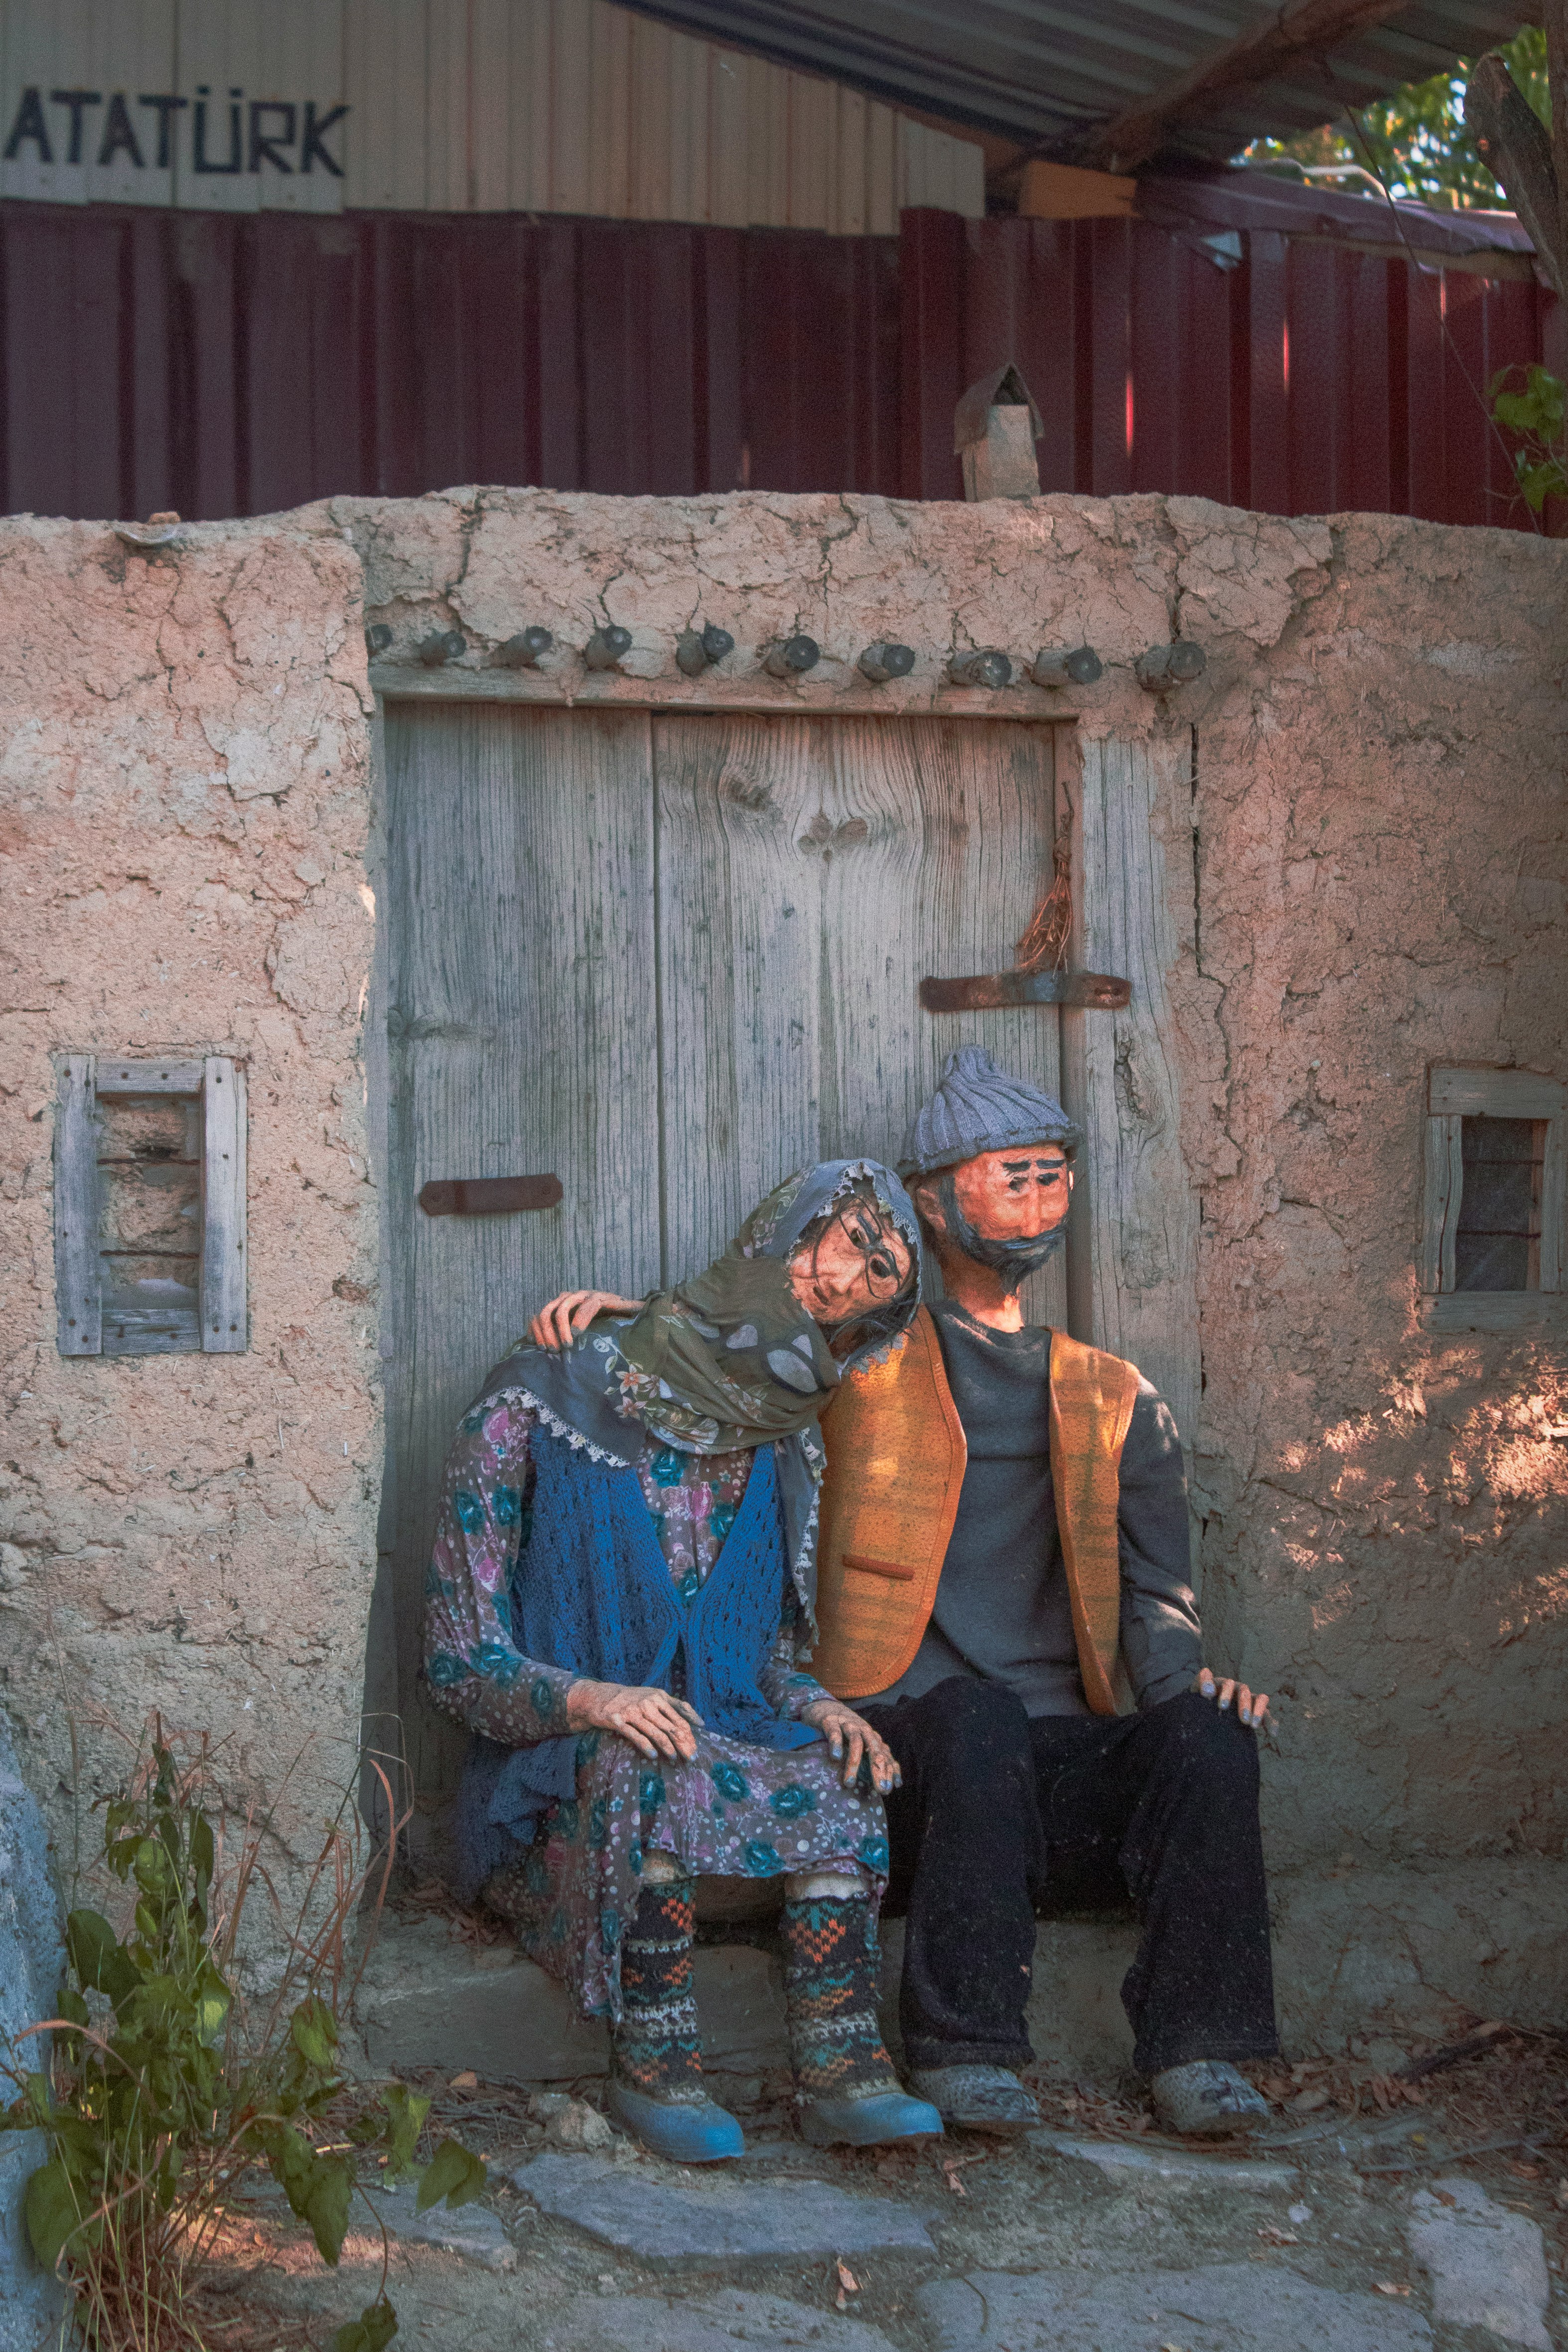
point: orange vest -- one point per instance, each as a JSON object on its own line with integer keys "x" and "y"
{"x": 896, "y": 1457}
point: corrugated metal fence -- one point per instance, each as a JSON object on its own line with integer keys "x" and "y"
{"x": 238, "y": 364}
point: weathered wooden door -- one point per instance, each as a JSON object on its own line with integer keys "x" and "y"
{"x": 667, "y": 959}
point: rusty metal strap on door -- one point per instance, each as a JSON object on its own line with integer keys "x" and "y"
{"x": 491, "y": 1196}
{"x": 991, "y": 992}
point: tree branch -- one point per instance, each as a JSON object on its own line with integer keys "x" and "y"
{"x": 1293, "y": 34}
{"x": 1513, "y": 145}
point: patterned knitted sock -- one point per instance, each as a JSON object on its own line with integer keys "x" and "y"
{"x": 830, "y": 1991}
{"x": 658, "y": 2048}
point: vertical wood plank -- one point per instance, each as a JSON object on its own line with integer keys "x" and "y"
{"x": 522, "y": 1040}
{"x": 1554, "y": 1204}
{"x": 493, "y": 127}
{"x": 1133, "y": 1262}
{"x": 1442, "y": 1193}
{"x": 223, "y": 1330}
{"x": 812, "y": 872}
{"x": 77, "y": 1279}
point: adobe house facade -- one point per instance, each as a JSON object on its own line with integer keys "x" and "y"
{"x": 443, "y": 916}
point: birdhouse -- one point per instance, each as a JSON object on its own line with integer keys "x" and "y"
{"x": 994, "y": 428}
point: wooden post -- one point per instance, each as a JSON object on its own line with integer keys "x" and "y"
{"x": 1443, "y": 1192}
{"x": 78, "y": 1285}
{"x": 1132, "y": 1239}
{"x": 223, "y": 1207}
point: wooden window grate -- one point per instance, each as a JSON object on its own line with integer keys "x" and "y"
{"x": 150, "y": 1206}
{"x": 1494, "y": 1251}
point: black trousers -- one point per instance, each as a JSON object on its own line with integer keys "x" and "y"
{"x": 1001, "y": 1815}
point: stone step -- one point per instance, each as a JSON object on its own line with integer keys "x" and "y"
{"x": 1415, "y": 1954}
{"x": 668, "y": 2224}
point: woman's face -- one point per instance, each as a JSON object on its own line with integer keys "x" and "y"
{"x": 859, "y": 1262}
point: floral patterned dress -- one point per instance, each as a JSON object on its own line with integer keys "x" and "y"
{"x": 732, "y": 1811}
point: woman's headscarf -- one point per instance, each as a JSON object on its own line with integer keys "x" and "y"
{"x": 729, "y": 1359}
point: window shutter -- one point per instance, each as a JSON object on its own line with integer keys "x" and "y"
{"x": 78, "y": 1277}
{"x": 223, "y": 1207}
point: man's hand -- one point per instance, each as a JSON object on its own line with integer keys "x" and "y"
{"x": 851, "y": 1737}
{"x": 1250, "y": 1710}
{"x": 654, "y": 1723}
{"x": 569, "y": 1312}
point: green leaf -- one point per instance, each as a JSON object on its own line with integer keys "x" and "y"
{"x": 314, "y": 2033}
{"x": 327, "y": 2205}
{"x": 373, "y": 2331}
{"x": 154, "y": 1870}
{"x": 212, "y": 2013}
{"x": 101, "y": 1961}
{"x": 52, "y": 2214}
{"x": 203, "y": 1861}
{"x": 318, "y": 2186}
{"x": 406, "y": 2114}
{"x": 452, "y": 2173}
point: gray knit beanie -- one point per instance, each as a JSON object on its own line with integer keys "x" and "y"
{"x": 978, "y": 1108}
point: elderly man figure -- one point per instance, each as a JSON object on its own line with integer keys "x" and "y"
{"x": 974, "y": 1604}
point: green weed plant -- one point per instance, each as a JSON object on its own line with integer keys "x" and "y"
{"x": 1533, "y": 414}
{"x": 163, "y": 2087}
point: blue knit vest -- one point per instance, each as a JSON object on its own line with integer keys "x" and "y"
{"x": 591, "y": 1591}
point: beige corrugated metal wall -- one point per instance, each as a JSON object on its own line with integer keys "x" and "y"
{"x": 550, "y": 106}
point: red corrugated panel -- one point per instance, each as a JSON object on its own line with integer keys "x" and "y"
{"x": 230, "y": 364}
{"x": 224, "y": 363}
{"x": 1296, "y": 375}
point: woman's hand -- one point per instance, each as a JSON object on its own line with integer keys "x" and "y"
{"x": 851, "y": 1736}
{"x": 569, "y": 1312}
{"x": 1251, "y": 1711}
{"x": 654, "y": 1723}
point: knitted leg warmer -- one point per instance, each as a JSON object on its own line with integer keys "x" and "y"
{"x": 656, "y": 2046}
{"x": 830, "y": 1990}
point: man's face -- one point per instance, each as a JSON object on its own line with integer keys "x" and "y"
{"x": 859, "y": 1262}
{"x": 1014, "y": 1196}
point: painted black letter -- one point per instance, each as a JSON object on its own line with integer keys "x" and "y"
{"x": 167, "y": 108}
{"x": 29, "y": 124}
{"x": 263, "y": 149}
{"x": 310, "y": 147}
{"x": 236, "y": 157}
{"x": 76, "y": 99}
{"x": 118, "y": 134}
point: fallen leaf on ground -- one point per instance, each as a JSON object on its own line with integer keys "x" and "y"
{"x": 1387, "y": 2286}
{"x": 847, "y": 2280}
{"x": 1277, "y": 2236}
{"x": 467, "y": 2081}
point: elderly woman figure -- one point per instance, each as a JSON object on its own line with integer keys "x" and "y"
{"x": 624, "y": 1574}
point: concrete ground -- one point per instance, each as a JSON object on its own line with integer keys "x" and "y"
{"x": 1362, "y": 2219}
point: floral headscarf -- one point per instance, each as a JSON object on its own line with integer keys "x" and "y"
{"x": 728, "y": 1359}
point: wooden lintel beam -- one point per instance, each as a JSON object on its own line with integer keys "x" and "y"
{"x": 1309, "y": 28}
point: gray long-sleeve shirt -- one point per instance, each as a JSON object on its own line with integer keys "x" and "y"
{"x": 1001, "y": 1612}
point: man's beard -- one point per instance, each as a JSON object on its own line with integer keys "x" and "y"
{"x": 1013, "y": 1261}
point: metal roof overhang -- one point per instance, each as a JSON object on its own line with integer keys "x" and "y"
{"x": 1045, "y": 75}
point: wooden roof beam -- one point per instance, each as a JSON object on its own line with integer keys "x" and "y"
{"x": 1295, "y": 34}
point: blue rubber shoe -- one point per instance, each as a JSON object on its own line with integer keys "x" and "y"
{"x": 866, "y": 2123}
{"x": 702, "y": 2133}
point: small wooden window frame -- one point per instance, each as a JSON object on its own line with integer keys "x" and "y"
{"x": 218, "y": 1085}
{"x": 1456, "y": 1093}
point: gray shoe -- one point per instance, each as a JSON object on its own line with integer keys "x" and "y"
{"x": 976, "y": 2098}
{"x": 1208, "y": 2095}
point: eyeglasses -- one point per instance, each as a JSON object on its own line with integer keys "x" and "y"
{"x": 865, "y": 1232}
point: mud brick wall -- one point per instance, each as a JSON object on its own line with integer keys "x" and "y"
{"x": 183, "y": 773}
{"x": 1354, "y": 833}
